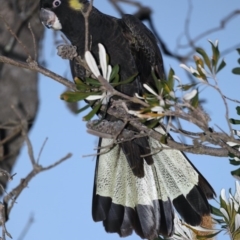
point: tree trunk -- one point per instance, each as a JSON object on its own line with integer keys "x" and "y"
{"x": 18, "y": 87}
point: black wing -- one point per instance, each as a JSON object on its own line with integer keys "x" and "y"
{"x": 144, "y": 48}
{"x": 133, "y": 193}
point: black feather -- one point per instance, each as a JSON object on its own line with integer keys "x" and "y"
{"x": 143, "y": 208}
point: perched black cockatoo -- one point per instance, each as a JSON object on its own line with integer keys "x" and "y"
{"x": 131, "y": 192}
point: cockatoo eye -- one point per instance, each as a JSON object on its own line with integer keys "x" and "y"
{"x": 56, "y": 3}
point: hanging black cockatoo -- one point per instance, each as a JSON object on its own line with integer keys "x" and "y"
{"x": 131, "y": 192}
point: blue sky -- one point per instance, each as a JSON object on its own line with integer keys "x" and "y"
{"x": 60, "y": 199}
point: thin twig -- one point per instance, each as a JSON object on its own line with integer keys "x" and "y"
{"x": 34, "y": 42}
{"x": 69, "y": 155}
{"x": 225, "y": 104}
{"x": 24, "y": 182}
{"x": 221, "y": 26}
{"x": 36, "y": 168}
{"x": 109, "y": 88}
{"x": 39, "y": 69}
{"x": 41, "y": 150}
{"x": 20, "y": 23}
{"x": 187, "y": 24}
{"x": 121, "y": 114}
{"x": 15, "y": 36}
{"x": 24, "y": 125}
{"x": 26, "y": 228}
{"x": 230, "y": 99}
{"x": 10, "y": 136}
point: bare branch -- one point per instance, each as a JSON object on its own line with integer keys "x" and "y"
{"x": 24, "y": 125}
{"x": 13, "y": 195}
{"x": 2, "y": 222}
{"x": 40, "y": 69}
{"x": 120, "y": 113}
{"x": 34, "y": 42}
{"x": 221, "y": 26}
{"x": 109, "y": 88}
{"x": 16, "y": 37}
{"x": 41, "y": 150}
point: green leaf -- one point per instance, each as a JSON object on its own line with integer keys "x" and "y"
{"x": 146, "y": 110}
{"x": 157, "y": 82}
{"x": 166, "y": 88}
{"x": 83, "y": 108}
{"x": 214, "y": 63}
{"x": 81, "y": 86}
{"x": 186, "y": 87}
{"x": 234, "y": 162}
{"x": 216, "y": 54}
{"x": 116, "y": 79}
{"x": 234, "y": 121}
{"x": 114, "y": 73}
{"x": 215, "y": 211}
{"x": 153, "y": 123}
{"x": 221, "y": 66}
{"x": 171, "y": 79}
{"x": 231, "y": 155}
{"x": 163, "y": 139}
{"x": 77, "y": 80}
{"x": 196, "y": 75}
{"x": 236, "y": 70}
{"x": 75, "y": 96}
{"x": 205, "y": 57}
{"x": 198, "y": 61}
{"x": 238, "y": 110}
{"x": 238, "y": 49}
{"x": 130, "y": 79}
{"x": 237, "y": 234}
{"x": 93, "y": 82}
{"x": 224, "y": 205}
{"x": 239, "y": 60}
{"x": 93, "y": 112}
{"x": 219, "y": 221}
{"x": 195, "y": 101}
{"x": 236, "y": 173}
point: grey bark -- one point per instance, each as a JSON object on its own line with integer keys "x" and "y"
{"x": 18, "y": 87}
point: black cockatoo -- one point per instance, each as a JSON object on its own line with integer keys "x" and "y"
{"x": 131, "y": 192}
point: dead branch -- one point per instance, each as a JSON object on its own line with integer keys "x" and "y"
{"x": 37, "y": 68}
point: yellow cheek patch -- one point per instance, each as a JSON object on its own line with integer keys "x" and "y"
{"x": 75, "y": 4}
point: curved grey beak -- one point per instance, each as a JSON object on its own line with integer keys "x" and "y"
{"x": 49, "y": 19}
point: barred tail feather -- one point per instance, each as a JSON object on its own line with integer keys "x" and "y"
{"x": 127, "y": 203}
